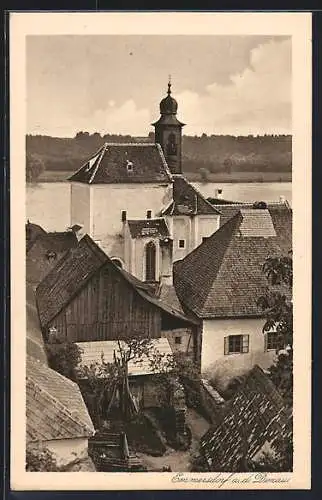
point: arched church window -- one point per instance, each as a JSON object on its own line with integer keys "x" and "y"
{"x": 150, "y": 261}
{"x": 172, "y": 146}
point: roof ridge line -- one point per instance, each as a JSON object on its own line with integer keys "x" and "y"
{"x": 84, "y": 281}
{"x": 201, "y": 195}
{"x": 98, "y": 162}
{"x": 211, "y": 236}
{"x": 164, "y": 161}
{"x": 85, "y": 163}
{"x": 148, "y": 144}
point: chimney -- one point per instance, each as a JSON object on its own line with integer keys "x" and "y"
{"x": 78, "y": 230}
{"x": 218, "y": 193}
{"x": 166, "y": 246}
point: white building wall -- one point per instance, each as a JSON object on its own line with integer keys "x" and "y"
{"x": 108, "y": 201}
{"x": 66, "y": 451}
{"x": 213, "y": 334}
{"x": 81, "y": 206}
{"x": 192, "y": 230}
{"x": 181, "y": 231}
{"x": 207, "y": 225}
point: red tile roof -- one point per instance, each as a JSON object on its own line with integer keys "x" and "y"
{"x": 223, "y": 276}
{"x": 55, "y": 407}
{"x": 187, "y": 200}
{"x": 125, "y": 163}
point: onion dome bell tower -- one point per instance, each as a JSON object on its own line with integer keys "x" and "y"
{"x": 168, "y": 132}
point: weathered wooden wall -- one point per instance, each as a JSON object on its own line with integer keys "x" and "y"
{"x": 108, "y": 308}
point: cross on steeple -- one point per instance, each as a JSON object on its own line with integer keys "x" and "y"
{"x": 169, "y": 85}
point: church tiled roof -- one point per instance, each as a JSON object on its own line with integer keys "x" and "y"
{"x": 148, "y": 227}
{"x": 187, "y": 200}
{"x": 223, "y": 276}
{"x": 125, "y": 163}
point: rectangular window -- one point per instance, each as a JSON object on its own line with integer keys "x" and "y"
{"x": 148, "y": 214}
{"x": 272, "y": 341}
{"x": 177, "y": 340}
{"x": 236, "y": 344}
{"x": 182, "y": 243}
{"x": 123, "y": 215}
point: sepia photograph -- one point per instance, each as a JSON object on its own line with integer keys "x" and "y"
{"x": 161, "y": 244}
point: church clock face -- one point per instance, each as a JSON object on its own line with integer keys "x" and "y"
{"x": 172, "y": 145}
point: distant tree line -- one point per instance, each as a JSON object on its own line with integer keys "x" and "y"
{"x": 201, "y": 154}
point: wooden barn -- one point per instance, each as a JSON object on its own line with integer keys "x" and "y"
{"x": 86, "y": 297}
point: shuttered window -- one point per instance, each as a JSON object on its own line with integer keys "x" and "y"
{"x": 236, "y": 344}
{"x": 273, "y": 341}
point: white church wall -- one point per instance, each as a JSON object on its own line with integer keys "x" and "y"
{"x": 207, "y": 225}
{"x": 81, "y": 206}
{"x": 108, "y": 202}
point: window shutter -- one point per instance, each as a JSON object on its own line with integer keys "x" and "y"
{"x": 226, "y": 345}
{"x": 265, "y": 341}
{"x": 245, "y": 347}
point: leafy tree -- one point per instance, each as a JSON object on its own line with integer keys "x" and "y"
{"x": 34, "y": 167}
{"x": 278, "y": 309}
{"x": 104, "y": 380}
{"x": 40, "y": 459}
{"x": 63, "y": 357}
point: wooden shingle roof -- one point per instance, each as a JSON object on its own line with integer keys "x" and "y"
{"x": 45, "y": 252}
{"x": 187, "y": 200}
{"x": 256, "y": 415}
{"x": 55, "y": 407}
{"x": 125, "y": 163}
{"x": 223, "y": 277}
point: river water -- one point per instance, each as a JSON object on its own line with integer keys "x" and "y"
{"x": 48, "y": 203}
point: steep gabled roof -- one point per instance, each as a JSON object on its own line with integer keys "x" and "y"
{"x": 223, "y": 276}
{"x": 34, "y": 339}
{"x": 148, "y": 227}
{"x": 256, "y": 415}
{"x": 125, "y": 163}
{"x": 72, "y": 273}
{"x": 187, "y": 200}
{"x": 32, "y": 232}
{"x": 55, "y": 407}
{"x": 45, "y": 252}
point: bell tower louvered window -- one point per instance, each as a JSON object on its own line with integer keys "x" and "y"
{"x": 150, "y": 262}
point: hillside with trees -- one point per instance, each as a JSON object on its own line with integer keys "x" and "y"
{"x": 205, "y": 158}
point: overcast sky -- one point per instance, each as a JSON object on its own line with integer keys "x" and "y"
{"x": 235, "y": 85}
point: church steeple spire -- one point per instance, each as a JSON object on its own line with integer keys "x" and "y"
{"x": 168, "y": 131}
